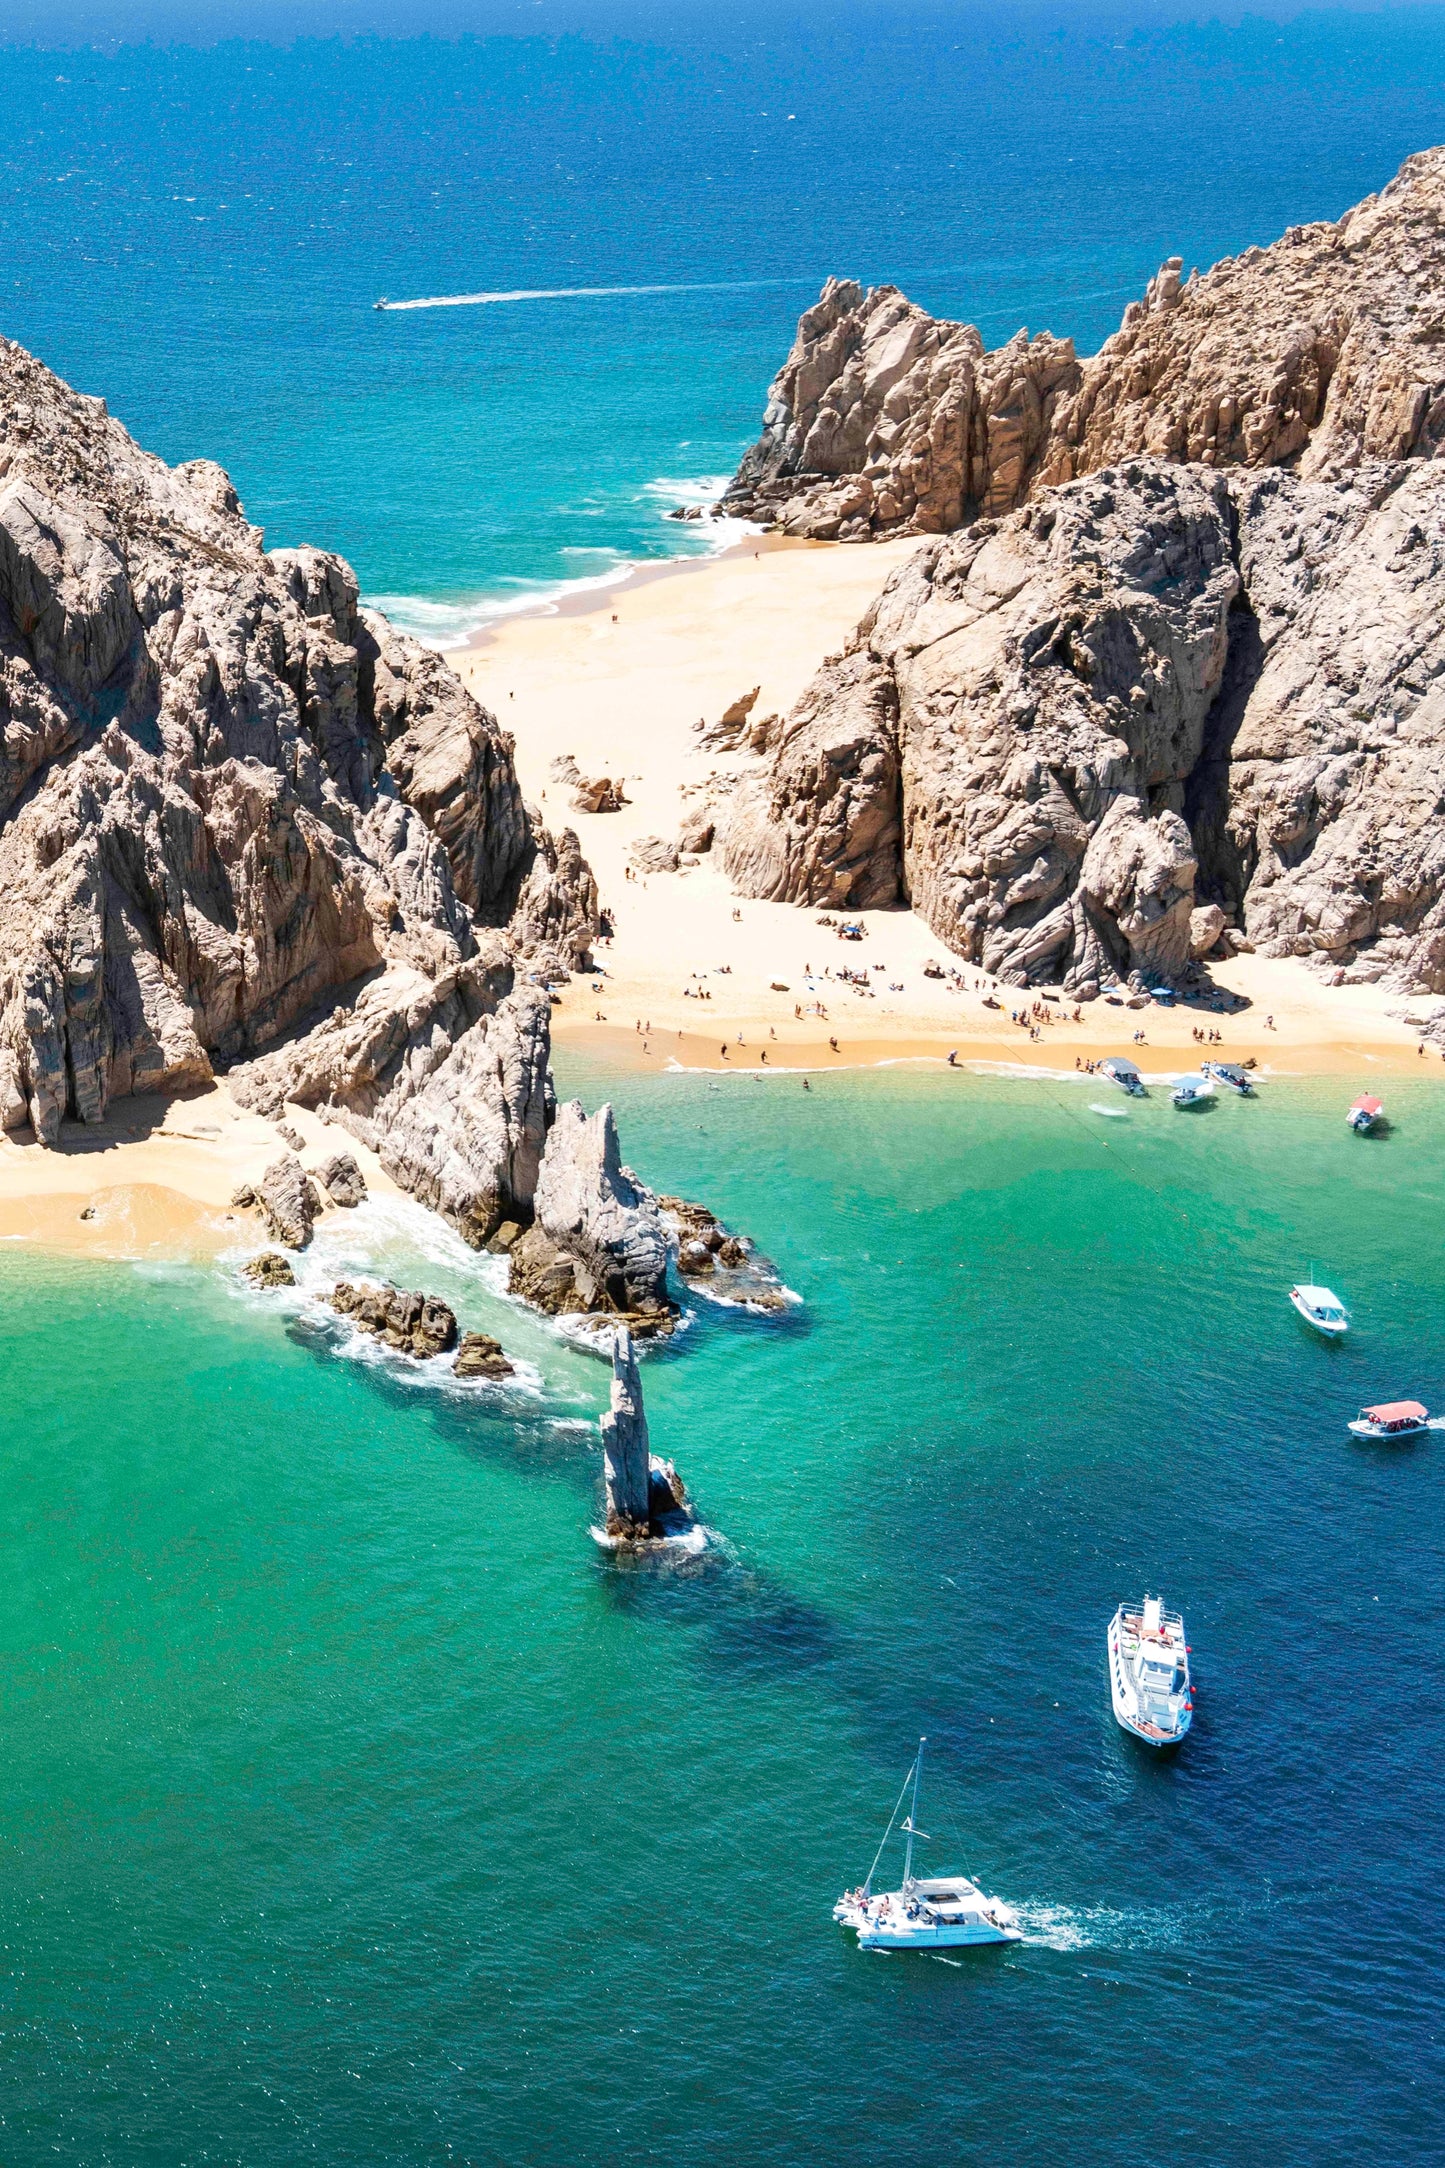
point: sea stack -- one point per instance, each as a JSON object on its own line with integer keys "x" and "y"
{"x": 647, "y": 1502}
{"x": 626, "y": 1461}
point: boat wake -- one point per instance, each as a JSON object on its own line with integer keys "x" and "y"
{"x": 588, "y": 293}
{"x": 1099, "y": 1927}
{"x": 1115, "y": 1114}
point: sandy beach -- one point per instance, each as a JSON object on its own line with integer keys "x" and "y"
{"x": 156, "y": 1177}
{"x": 620, "y": 680}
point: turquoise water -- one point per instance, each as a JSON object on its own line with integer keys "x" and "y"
{"x": 199, "y": 237}
{"x": 355, "y": 1808}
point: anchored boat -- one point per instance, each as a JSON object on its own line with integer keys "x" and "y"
{"x": 1149, "y": 1672}
{"x": 1322, "y": 1309}
{"x": 1364, "y": 1114}
{"x": 946, "y": 1912}
{"x": 1395, "y": 1419}
{"x": 1192, "y": 1091}
{"x": 1230, "y": 1075}
{"x": 1124, "y": 1074}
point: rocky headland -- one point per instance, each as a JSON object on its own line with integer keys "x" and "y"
{"x": 248, "y": 829}
{"x": 1166, "y": 680}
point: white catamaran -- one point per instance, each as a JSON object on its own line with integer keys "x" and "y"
{"x": 946, "y": 1912}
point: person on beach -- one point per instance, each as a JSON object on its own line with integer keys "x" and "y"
{"x": 724, "y": 1052}
{"x": 834, "y": 1044}
{"x": 953, "y": 1059}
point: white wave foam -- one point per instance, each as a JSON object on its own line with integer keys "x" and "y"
{"x": 1099, "y": 1927}
{"x": 1115, "y": 1114}
{"x": 399, "y": 1241}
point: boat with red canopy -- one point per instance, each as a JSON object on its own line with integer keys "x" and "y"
{"x": 1395, "y": 1419}
{"x": 1365, "y": 1112}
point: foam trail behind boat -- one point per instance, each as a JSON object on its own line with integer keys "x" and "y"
{"x": 588, "y": 293}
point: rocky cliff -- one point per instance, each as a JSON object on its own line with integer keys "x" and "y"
{"x": 1059, "y": 736}
{"x": 247, "y": 826}
{"x": 1189, "y": 698}
{"x": 1323, "y": 352}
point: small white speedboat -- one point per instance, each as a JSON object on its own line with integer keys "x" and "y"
{"x": 1395, "y": 1419}
{"x": 946, "y": 1912}
{"x": 1364, "y": 1114}
{"x": 1124, "y": 1074}
{"x": 1192, "y": 1091}
{"x": 1149, "y": 1672}
{"x": 1319, "y": 1307}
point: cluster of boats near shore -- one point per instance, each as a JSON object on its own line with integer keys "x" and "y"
{"x": 1148, "y": 1655}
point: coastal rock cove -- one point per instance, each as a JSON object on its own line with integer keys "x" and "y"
{"x": 613, "y": 1214}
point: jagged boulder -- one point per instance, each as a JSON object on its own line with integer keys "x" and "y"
{"x": 343, "y": 1180}
{"x": 480, "y": 1356}
{"x": 289, "y": 1200}
{"x": 595, "y": 1211}
{"x": 270, "y": 1269}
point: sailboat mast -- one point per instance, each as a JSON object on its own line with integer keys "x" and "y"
{"x": 913, "y": 1816}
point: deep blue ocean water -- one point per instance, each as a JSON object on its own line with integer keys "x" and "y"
{"x": 199, "y": 235}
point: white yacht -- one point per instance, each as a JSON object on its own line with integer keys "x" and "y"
{"x": 1322, "y": 1309}
{"x": 946, "y": 1912}
{"x": 1149, "y": 1672}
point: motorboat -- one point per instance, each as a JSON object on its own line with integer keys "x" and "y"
{"x": 1395, "y": 1419}
{"x": 942, "y": 1912}
{"x": 1192, "y": 1091}
{"x": 1230, "y": 1075}
{"x": 1124, "y": 1074}
{"x": 383, "y": 303}
{"x": 1149, "y": 1672}
{"x": 1322, "y": 1309}
{"x": 1364, "y": 1114}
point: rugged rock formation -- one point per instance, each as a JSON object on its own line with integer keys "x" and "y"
{"x": 289, "y": 1201}
{"x": 626, "y": 1459}
{"x": 415, "y": 1324}
{"x": 270, "y": 1269}
{"x": 1063, "y": 736}
{"x": 597, "y": 1243}
{"x": 654, "y": 854}
{"x": 726, "y": 1266}
{"x": 646, "y": 1501}
{"x": 1324, "y": 351}
{"x": 234, "y": 804}
{"x": 480, "y": 1356}
{"x": 342, "y": 1180}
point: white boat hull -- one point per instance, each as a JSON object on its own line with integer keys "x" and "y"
{"x": 893, "y": 1930}
{"x": 1129, "y": 1713}
{"x": 1392, "y": 1437}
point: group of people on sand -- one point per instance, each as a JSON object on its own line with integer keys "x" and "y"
{"x": 1039, "y": 1014}
{"x": 1210, "y": 1037}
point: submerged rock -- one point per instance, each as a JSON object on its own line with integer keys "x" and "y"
{"x": 270, "y": 1269}
{"x": 416, "y": 1324}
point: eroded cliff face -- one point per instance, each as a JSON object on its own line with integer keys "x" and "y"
{"x": 1325, "y": 351}
{"x": 1164, "y": 687}
{"x": 246, "y": 825}
{"x": 1184, "y": 691}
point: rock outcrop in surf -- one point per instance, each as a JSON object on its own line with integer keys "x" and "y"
{"x": 1187, "y": 702}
